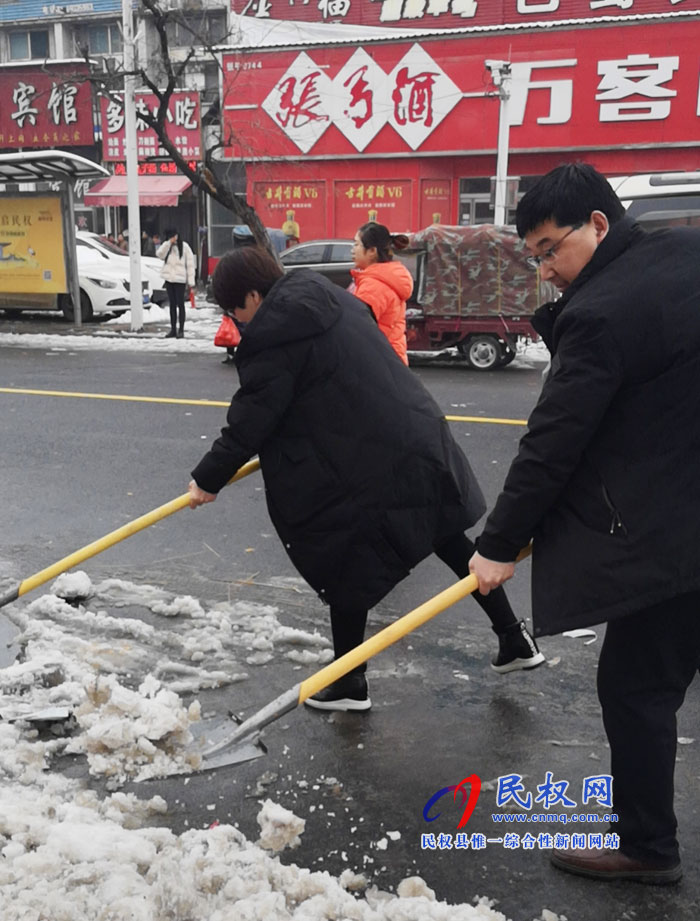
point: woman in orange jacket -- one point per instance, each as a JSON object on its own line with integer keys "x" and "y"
{"x": 383, "y": 283}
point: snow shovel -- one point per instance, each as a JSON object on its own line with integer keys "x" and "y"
{"x": 238, "y": 745}
{"x": 97, "y": 546}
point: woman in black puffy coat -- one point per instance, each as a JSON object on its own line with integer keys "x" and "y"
{"x": 363, "y": 478}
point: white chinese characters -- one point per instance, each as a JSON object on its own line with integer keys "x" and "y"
{"x": 636, "y": 75}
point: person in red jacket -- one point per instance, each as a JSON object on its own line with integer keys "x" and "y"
{"x": 383, "y": 283}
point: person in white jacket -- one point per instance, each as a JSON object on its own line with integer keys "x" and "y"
{"x": 178, "y": 274}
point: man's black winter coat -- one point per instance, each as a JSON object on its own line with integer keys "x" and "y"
{"x": 607, "y": 478}
{"x": 362, "y": 475}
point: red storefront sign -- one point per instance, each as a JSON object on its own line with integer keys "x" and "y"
{"x": 183, "y": 126}
{"x": 614, "y": 87}
{"x": 386, "y": 202}
{"x": 435, "y": 201}
{"x": 455, "y": 13}
{"x": 301, "y": 206}
{"x": 42, "y": 109}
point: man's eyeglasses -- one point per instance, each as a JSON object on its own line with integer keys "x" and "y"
{"x": 549, "y": 254}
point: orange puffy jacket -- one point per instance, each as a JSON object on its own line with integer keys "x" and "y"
{"x": 386, "y": 286}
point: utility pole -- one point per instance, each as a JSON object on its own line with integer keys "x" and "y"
{"x": 501, "y": 76}
{"x": 132, "y": 167}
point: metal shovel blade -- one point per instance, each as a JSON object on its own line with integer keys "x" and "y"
{"x": 210, "y": 733}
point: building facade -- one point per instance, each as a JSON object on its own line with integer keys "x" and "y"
{"x": 404, "y": 130}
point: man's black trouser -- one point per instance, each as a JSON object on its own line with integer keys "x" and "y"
{"x": 647, "y": 662}
{"x": 348, "y": 625}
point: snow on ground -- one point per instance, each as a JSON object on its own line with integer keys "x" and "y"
{"x": 69, "y": 854}
{"x": 200, "y": 326}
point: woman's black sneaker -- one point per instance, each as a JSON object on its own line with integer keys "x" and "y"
{"x": 347, "y": 693}
{"x": 516, "y": 650}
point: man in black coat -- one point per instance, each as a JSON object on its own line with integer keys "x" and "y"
{"x": 606, "y": 485}
{"x": 363, "y": 478}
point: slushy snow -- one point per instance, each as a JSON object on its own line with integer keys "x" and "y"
{"x": 69, "y": 854}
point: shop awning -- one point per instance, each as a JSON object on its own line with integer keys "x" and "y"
{"x": 161, "y": 191}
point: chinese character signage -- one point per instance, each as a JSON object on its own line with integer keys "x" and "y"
{"x": 623, "y": 86}
{"x": 162, "y": 168}
{"x": 31, "y": 12}
{"x": 385, "y": 201}
{"x": 41, "y": 109}
{"x": 297, "y": 207}
{"x": 183, "y": 126}
{"x": 433, "y": 14}
{"x": 31, "y": 246}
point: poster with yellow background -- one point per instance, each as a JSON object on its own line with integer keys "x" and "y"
{"x": 31, "y": 245}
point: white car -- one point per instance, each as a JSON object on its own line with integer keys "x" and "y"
{"x": 104, "y": 289}
{"x": 150, "y": 265}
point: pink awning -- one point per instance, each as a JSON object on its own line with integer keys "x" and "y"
{"x": 161, "y": 191}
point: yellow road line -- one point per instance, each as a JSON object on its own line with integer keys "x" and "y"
{"x": 493, "y": 421}
{"x": 112, "y": 396}
{"x": 179, "y": 402}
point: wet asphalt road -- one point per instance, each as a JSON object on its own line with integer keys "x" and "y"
{"x": 75, "y": 469}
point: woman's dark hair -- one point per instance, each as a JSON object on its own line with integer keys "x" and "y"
{"x": 169, "y": 234}
{"x": 250, "y": 268}
{"x": 378, "y": 235}
{"x": 567, "y": 195}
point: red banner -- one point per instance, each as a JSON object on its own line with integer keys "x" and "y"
{"x": 297, "y": 208}
{"x": 578, "y": 89}
{"x": 42, "y": 109}
{"x": 183, "y": 126}
{"x": 433, "y": 14}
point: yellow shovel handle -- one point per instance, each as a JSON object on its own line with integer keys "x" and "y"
{"x": 132, "y": 527}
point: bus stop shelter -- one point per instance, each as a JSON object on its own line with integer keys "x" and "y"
{"x": 44, "y": 166}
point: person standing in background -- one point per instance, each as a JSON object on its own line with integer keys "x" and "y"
{"x": 147, "y": 244}
{"x": 178, "y": 274}
{"x": 383, "y": 283}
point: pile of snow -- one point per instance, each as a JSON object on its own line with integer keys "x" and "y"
{"x": 79, "y": 656}
{"x": 69, "y": 854}
{"x": 135, "y": 734}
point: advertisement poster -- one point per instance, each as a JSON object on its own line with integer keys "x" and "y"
{"x": 31, "y": 246}
{"x": 296, "y": 208}
{"x": 386, "y": 201}
{"x": 435, "y": 201}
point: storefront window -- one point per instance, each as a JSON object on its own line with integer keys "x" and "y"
{"x": 475, "y": 204}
